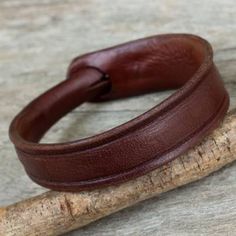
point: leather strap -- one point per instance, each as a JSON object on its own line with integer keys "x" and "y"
{"x": 140, "y": 145}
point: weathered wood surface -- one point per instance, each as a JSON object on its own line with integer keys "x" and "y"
{"x": 37, "y": 40}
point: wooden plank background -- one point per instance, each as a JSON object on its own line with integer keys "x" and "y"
{"x": 37, "y": 41}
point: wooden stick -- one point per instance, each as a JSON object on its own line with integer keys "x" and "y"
{"x": 54, "y": 213}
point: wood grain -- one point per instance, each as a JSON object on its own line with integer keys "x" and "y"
{"x": 37, "y": 41}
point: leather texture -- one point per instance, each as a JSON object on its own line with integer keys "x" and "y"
{"x": 132, "y": 149}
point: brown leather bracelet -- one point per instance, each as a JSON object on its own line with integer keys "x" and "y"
{"x": 140, "y": 145}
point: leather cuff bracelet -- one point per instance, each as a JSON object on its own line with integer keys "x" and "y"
{"x": 140, "y": 145}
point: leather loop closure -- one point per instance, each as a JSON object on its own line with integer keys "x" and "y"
{"x": 140, "y": 145}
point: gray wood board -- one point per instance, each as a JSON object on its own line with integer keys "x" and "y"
{"x": 37, "y": 41}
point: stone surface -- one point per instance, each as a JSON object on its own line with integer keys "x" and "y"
{"x": 37, "y": 41}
